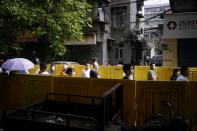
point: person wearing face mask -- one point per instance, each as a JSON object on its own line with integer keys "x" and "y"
{"x": 70, "y": 72}
{"x": 128, "y": 72}
{"x": 42, "y": 70}
{"x": 151, "y": 75}
{"x": 52, "y": 69}
{"x": 94, "y": 71}
{"x": 184, "y": 74}
{"x": 176, "y": 73}
{"x": 85, "y": 73}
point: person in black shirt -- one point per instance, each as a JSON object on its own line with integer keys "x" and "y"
{"x": 127, "y": 68}
{"x": 175, "y": 74}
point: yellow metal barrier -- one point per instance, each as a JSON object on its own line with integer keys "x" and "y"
{"x": 192, "y": 104}
{"x": 104, "y": 72}
{"x": 21, "y": 90}
{"x": 164, "y": 73}
{"x": 4, "y": 92}
{"x": 71, "y": 85}
{"x": 32, "y": 71}
{"x": 116, "y": 72}
{"x": 193, "y": 74}
{"x": 99, "y": 86}
{"x": 140, "y": 72}
{"x": 150, "y": 93}
{"x": 78, "y": 70}
{"x": 27, "y": 89}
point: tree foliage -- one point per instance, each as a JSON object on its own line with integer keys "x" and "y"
{"x": 59, "y": 20}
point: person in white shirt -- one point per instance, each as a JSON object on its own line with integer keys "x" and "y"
{"x": 184, "y": 74}
{"x": 65, "y": 67}
{"x": 151, "y": 75}
{"x": 85, "y": 73}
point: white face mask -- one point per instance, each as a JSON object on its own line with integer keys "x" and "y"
{"x": 53, "y": 68}
{"x": 132, "y": 71}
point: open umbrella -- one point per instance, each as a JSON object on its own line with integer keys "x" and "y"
{"x": 17, "y": 64}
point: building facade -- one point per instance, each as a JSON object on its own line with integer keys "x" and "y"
{"x": 153, "y": 27}
{"x": 124, "y": 46}
{"x": 114, "y": 36}
{"x": 180, "y": 34}
{"x": 94, "y": 45}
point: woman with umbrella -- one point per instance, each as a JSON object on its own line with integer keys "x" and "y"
{"x": 17, "y": 65}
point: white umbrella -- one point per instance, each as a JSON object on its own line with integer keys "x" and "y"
{"x": 17, "y": 64}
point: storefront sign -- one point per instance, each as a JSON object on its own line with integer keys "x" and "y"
{"x": 88, "y": 39}
{"x": 183, "y": 25}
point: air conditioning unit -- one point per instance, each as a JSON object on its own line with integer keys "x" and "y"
{"x": 100, "y": 15}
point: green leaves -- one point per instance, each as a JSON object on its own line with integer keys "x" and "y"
{"x": 60, "y": 20}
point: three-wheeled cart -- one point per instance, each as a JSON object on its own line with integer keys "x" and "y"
{"x": 65, "y": 112}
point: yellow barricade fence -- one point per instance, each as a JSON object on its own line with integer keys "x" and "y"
{"x": 4, "y": 88}
{"x": 140, "y": 72}
{"x": 141, "y": 98}
{"x": 4, "y": 92}
{"x": 33, "y": 70}
{"x": 78, "y": 69}
{"x": 116, "y": 72}
{"x": 104, "y": 72}
{"x": 193, "y": 74}
{"x": 164, "y": 73}
{"x": 99, "y": 86}
{"x": 150, "y": 93}
{"x": 28, "y": 89}
{"x": 192, "y": 104}
{"x": 71, "y": 85}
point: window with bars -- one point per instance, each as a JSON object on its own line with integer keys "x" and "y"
{"x": 118, "y": 19}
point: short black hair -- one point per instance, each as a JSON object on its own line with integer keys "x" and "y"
{"x": 126, "y": 67}
{"x": 152, "y": 63}
{"x": 183, "y": 69}
{"x": 43, "y": 65}
{"x": 175, "y": 70}
{"x": 69, "y": 70}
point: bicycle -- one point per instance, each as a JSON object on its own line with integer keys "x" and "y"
{"x": 160, "y": 122}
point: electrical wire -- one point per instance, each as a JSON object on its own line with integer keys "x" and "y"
{"x": 155, "y": 16}
{"x": 180, "y": 3}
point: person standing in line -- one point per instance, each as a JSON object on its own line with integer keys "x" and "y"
{"x": 52, "y": 69}
{"x": 86, "y": 72}
{"x": 151, "y": 75}
{"x": 184, "y": 74}
{"x": 94, "y": 61}
{"x": 128, "y": 70}
{"x": 42, "y": 70}
{"x": 94, "y": 71}
{"x": 70, "y": 72}
{"x": 175, "y": 74}
{"x": 65, "y": 67}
